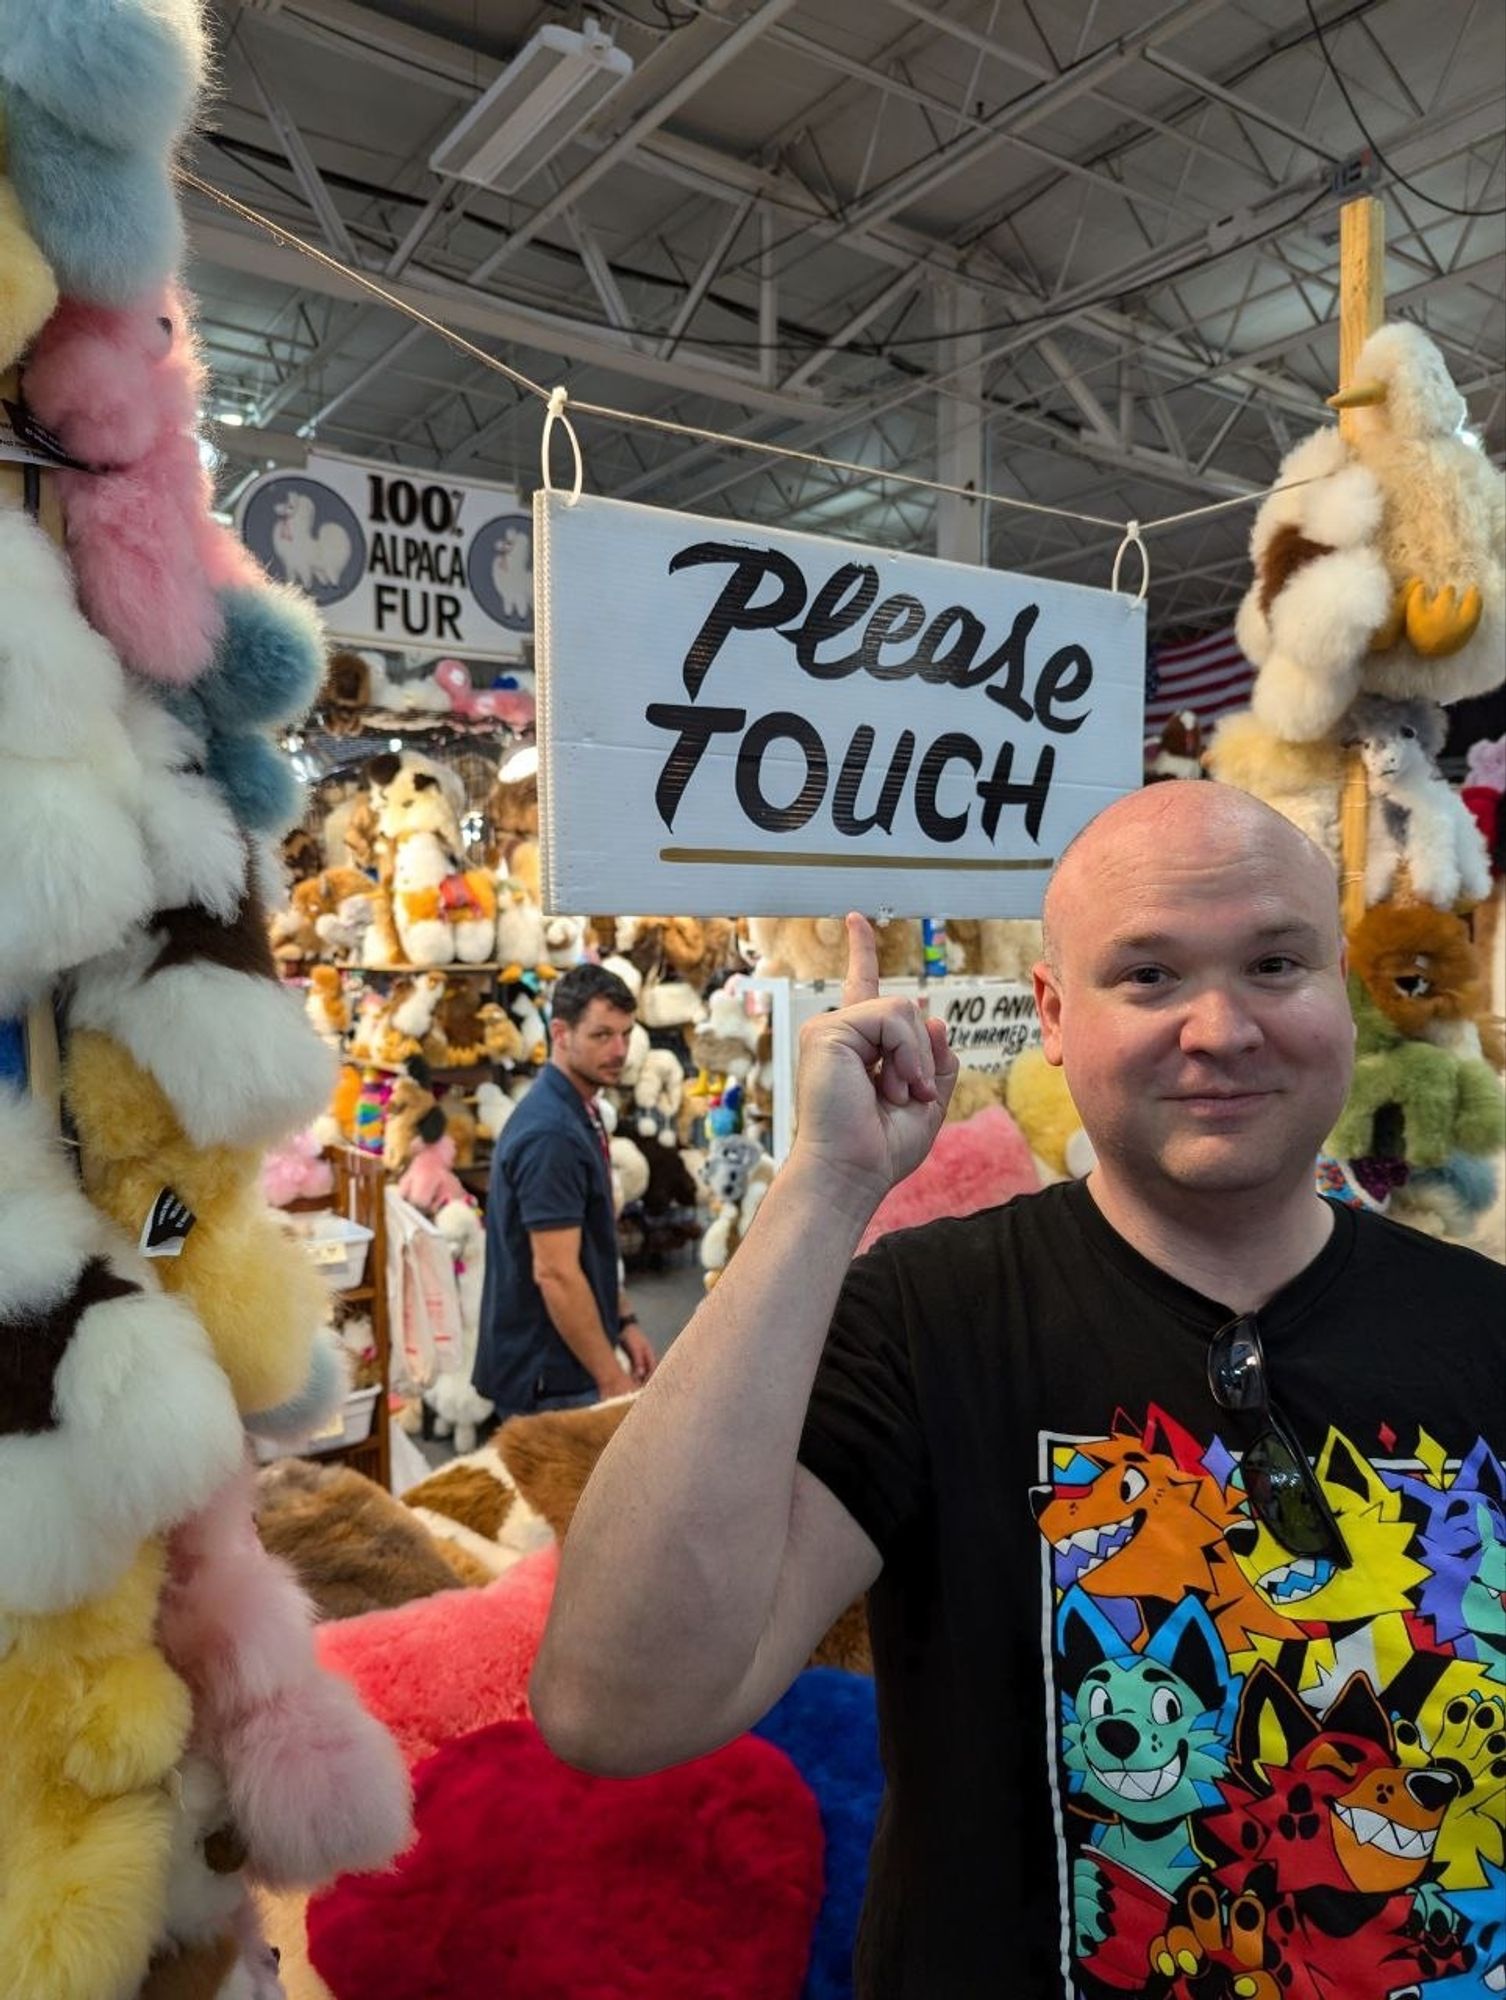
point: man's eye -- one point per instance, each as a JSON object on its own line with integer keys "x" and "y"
{"x": 1145, "y": 975}
{"x": 1277, "y": 963}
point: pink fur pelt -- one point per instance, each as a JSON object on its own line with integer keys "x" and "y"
{"x": 121, "y": 389}
{"x": 445, "y": 1665}
{"x": 316, "y": 1786}
{"x": 429, "y": 1181}
{"x": 978, "y": 1164}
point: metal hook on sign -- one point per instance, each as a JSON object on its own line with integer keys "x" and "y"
{"x": 1132, "y": 540}
{"x": 559, "y": 396}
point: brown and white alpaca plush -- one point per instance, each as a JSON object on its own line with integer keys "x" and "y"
{"x": 443, "y": 910}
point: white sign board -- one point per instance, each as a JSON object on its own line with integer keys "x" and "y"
{"x": 406, "y": 560}
{"x": 764, "y": 723}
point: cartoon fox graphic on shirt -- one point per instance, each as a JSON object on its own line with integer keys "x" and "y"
{"x": 1277, "y": 1779}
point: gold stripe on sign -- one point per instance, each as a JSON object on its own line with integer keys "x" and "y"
{"x": 733, "y": 857}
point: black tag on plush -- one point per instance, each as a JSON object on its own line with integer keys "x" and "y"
{"x": 166, "y": 1228}
{"x": 36, "y": 440}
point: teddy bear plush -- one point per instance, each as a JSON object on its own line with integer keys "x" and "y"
{"x": 1420, "y": 969}
{"x": 443, "y": 910}
{"x": 255, "y": 1291}
{"x": 1446, "y": 1103}
{"x": 97, "y": 1721}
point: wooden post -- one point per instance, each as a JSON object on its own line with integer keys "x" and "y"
{"x": 1362, "y": 308}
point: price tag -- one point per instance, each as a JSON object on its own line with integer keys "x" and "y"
{"x": 326, "y": 1250}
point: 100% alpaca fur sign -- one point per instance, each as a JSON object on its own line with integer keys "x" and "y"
{"x": 777, "y": 723}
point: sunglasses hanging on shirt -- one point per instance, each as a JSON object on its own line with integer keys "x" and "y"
{"x": 1280, "y": 1484}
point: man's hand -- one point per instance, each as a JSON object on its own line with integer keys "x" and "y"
{"x": 641, "y": 1356}
{"x": 873, "y": 1084}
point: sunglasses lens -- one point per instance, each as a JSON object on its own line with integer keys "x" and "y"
{"x": 1236, "y": 1368}
{"x": 1280, "y": 1489}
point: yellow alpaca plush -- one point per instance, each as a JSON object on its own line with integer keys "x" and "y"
{"x": 1037, "y": 1098}
{"x": 254, "y": 1289}
{"x": 28, "y": 291}
{"x": 95, "y": 1721}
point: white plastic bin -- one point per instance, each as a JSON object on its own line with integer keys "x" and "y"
{"x": 336, "y": 1244}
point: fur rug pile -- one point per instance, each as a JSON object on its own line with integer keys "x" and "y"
{"x": 352, "y": 1547}
{"x": 530, "y": 1879}
{"x": 976, "y": 1164}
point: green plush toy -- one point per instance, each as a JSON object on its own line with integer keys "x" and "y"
{"x": 1447, "y": 1103}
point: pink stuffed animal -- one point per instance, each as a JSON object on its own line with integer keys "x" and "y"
{"x": 295, "y": 1171}
{"x": 507, "y": 705}
{"x": 121, "y": 389}
{"x": 316, "y": 1787}
{"x": 429, "y": 1181}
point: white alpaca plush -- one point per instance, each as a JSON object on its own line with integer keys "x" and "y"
{"x": 658, "y": 1093}
{"x": 95, "y": 1356}
{"x": 1415, "y": 816}
{"x": 493, "y": 1109}
{"x": 1301, "y": 781}
{"x": 630, "y": 1174}
{"x": 1320, "y": 591}
{"x": 520, "y": 927}
{"x": 193, "y": 992}
{"x": 457, "y": 1406}
{"x": 72, "y": 857}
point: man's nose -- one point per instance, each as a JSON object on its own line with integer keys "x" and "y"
{"x": 1218, "y": 1023}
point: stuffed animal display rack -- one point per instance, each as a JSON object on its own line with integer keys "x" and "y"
{"x": 171, "y": 1739}
{"x": 1379, "y": 596}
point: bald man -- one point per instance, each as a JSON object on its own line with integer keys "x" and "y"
{"x": 1127, "y": 1469}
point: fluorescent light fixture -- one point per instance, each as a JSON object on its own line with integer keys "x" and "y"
{"x": 540, "y": 101}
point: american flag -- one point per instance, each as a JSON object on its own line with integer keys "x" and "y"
{"x": 1209, "y": 675}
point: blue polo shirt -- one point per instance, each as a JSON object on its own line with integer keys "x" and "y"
{"x": 547, "y": 1173}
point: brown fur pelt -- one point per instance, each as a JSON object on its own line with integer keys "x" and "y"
{"x": 552, "y": 1455}
{"x": 467, "y": 1494}
{"x": 197, "y": 1972}
{"x": 1419, "y": 965}
{"x": 352, "y": 1547}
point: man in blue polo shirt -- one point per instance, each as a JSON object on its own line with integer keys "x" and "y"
{"x": 552, "y": 1310}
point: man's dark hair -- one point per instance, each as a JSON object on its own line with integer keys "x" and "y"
{"x": 581, "y": 985}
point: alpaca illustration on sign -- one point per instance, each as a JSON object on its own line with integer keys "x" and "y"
{"x": 310, "y": 554}
{"x": 512, "y": 574}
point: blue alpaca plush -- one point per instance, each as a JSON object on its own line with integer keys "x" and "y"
{"x": 106, "y": 221}
{"x": 125, "y": 72}
{"x": 296, "y": 1420}
{"x": 269, "y": 662}
{"x": 256, "y": 779}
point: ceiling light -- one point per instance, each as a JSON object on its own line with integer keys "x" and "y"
{"x": 546, "y": 93}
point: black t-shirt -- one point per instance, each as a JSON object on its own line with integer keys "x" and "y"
{"x": 1131, "y": 1745}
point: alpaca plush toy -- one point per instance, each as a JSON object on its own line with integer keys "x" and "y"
{"x": 408, "y": 1024}
{"x": 98, "y": 95}
{"x": 458, "y": 1407}
{"x": 726, "y": 1042}
{"x": 71, "y": 785}
{"x": 428, "y": 1180}
{"x": 97, "y": 1721}
{"x": 413, "y": 1118}
{"x": 458, "y": 1032}
{"x": 443, "y": 911}
{"x": 657, "y": 1096}
{"x": 1179, "y": 753}
{"x": 326, "y": 1006}
{"x": 1037, "y": 1098}
{"x": 630, "y": 1173}
{"x": 28, "y": 291}
{"x": 1301, "y": 781}
{"x": 493, "y": 1109}
{"x": 1416, "y": 817}
{"x": 804, "y": 948}
{"x": 521, "y": 942}
{"x": 121, "y": 389}
{"x": 1379, "y": 568}
{"x": 255, "y": 1291}
{"x": 322, "y": 917}
{"x": 996, "y": 947}
{"x": 193, "y": 994}
{"x": 315, "y": 1786}
{"x": 91, "y": 1351}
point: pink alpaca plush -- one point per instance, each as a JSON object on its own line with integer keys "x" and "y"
{"x": 296, "y": 1171}
{"x": 505, "y": 705}
{"x": 977, "y": 1164}
{"x": 121, "y": 389}
{"x": 316, "y": 1786}
{"x": 429, "y": 1181}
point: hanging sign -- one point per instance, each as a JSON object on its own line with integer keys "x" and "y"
{"x": 777, "y": 724}
{"x": 395, "y": 558}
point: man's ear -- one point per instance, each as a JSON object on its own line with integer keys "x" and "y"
{"x": 1048, "y": 1005}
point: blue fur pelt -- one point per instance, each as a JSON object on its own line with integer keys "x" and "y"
{"x": 126, "y": 72}
{"x": 105, "y": 221}
{"x": 827, "y": 1726}
{"x": 295, "y": 1421}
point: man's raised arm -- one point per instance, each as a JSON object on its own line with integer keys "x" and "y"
{"x": 704, "y": 1562}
